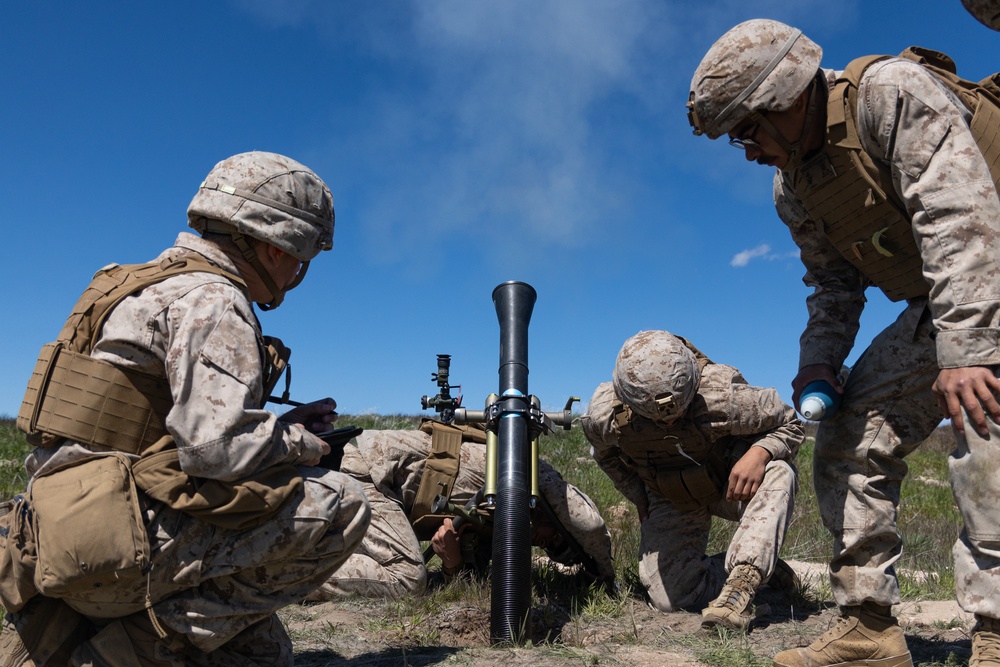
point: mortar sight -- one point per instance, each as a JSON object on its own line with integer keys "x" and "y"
{"x": 443, "y": 403}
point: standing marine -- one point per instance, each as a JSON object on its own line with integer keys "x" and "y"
{"x": 886, "y": 176}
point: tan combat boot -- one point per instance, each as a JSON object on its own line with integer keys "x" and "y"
{"x": 732, "y": 608}
{"x": 985, "y": 642}
{"x": 865, "y": 636}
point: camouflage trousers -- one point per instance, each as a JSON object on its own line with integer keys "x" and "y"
{"x": 389, "y": 562}
{"x": 888, "y": 409}
{"x": 209, "y": 584}
{"x": 673, "y": 565}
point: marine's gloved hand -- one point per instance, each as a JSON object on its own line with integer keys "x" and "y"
{"x": 315, "y": 417}
{"x": 974, "y": 388}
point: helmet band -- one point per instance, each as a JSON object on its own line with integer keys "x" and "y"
{"x": 725, "y": 113}
{"x": 290, "y": 210}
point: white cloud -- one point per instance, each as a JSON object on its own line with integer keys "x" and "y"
{"x": 763, "y": 251}
{"x": 512, "y": 123}
{"x": 743, "y": 257}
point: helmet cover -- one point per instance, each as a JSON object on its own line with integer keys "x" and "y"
{"x": 269, "y": 197}
{"x": 759, "y": 65}
{"x": 656, "y": 375}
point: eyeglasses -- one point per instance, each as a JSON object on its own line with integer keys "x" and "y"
{"x": 747, "y": 141}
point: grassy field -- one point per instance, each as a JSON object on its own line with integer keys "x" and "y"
{"x": 928, "y": 518}
{"x": 13, "y": 449}
{"x": 575, "y": 623}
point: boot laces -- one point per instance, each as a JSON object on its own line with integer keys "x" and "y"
{"x": 838, "y": 629}
{"x": 986, "y": 646}
{"x": 736, "y": 592}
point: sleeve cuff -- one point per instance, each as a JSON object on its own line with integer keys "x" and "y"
{"x": 968, "y": 347}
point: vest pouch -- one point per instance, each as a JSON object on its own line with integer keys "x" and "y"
{"x": 89, "y": 527}
{"x": 992, "y": 84}
{"x": 17, "y": 555}
{"x": 985, "y": 128}
{"x": 688, "y": 488}
{"x": 440, "y": 469}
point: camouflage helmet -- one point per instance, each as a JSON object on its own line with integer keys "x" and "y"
{"x": 986, "y": 12}
{"x": 758, "y": 65}
{"x": 656, "y": 375}
{"x": 269, "y": 197}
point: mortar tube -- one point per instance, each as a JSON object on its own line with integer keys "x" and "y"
{"x": 510, "y": 603}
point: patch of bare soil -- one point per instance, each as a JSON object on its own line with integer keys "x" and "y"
{"x": 374, "y": 634}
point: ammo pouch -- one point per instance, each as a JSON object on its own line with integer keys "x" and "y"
{"x": 440, "y": 472}
{"x": 89, "y": 527}
{"x": 690, "y": 487}
{"x": 695, "y": 486}
{"x": 17, "y": 554}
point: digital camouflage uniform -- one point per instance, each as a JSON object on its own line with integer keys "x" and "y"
{"x": 910, "y": 121}
{"x": 390, "y": 464}
{"x": 208, "y": 583}
{"x": 673, "y": 565}
{"x": 885, "y": 178}
{"x": 163, "y": 366}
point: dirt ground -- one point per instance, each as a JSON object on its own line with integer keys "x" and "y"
{"x": 367, "y": 634}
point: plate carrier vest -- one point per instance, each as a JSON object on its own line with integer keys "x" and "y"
{"x": 678, "y": 461}
{"x": 853, "y": 197}
{"x": 73, "y": 396}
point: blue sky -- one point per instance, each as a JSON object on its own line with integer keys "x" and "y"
{"x": 466, "y": 144}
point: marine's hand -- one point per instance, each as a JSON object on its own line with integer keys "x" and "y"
{"x": 747, "y": 474}
{"x": 313, "y": 449}
{"x": 446, "y": 546}
{"x": 813, "y": 372}
{"x": 974, "y": 388}
{"x": 315, "y": 417}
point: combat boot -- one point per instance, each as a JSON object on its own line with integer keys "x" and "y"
{"x": 732, "y": 608}
{"x": 985, "y": 642}
{"x": 864, "y": 636}
{"x": 43, "y": 633}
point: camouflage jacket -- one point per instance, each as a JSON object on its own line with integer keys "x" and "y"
{"x": 724, "y": 405}
{"x": 909, "y": 121}
{"x": 199, "y": 332}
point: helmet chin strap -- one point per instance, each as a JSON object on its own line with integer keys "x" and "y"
{"x": 277, "y": 296}
{"x": 793, "y": 149}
